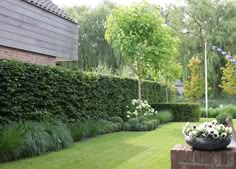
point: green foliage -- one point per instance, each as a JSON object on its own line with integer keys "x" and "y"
{"x": 138, "y": 32}
{"x": 92, "y": 44}
{"x": 164, "y": 116}
{"x": 181, "y": 111}
{"x": 141, "y": 124}
{"x": 221, "y": 118}
{"x": 150, "y": 125}
{"x": 10, "y": 142}
{"x": 229, "y": 79}
{"x": 77, "y": 131}
{"x": 192, "y": 25}
{"x": 116, "y": 120}
{"x": 194, "y": 86}
{"x": 212, "y": 113}
{"x": 102, "y": 69}
{"x": 26, "y": 139}
{"x": 133, "y": 122}
{"x": 127, "y": 126}
{"x": 91, "y": 128}
{"x": 142, "y": 118}
{"x": 32, "y": 92}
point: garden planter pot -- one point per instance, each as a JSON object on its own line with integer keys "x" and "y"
{"x": 208, "y": 143}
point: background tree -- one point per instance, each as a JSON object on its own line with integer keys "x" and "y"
{"x": 139, "y": 34}
{"x": 213, "y": 20}
{"x": 229, "y": 79}
{"x": 93, "y": 48}
{"x": 194, "y": 86}
{"x": 170, "y": 73}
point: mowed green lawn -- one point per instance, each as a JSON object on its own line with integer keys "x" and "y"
{"x": 122, "y": 150}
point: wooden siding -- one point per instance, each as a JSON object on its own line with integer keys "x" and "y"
{"x": 30, "y": 28}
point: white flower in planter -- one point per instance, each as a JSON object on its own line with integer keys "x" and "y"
{"x": 223, "y": 135}
{"x": 216, "y": 134}
{"x": 228, "y": 129}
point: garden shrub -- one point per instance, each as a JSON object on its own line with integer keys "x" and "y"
{"x": 133, "y": 122}
{"x": 18, "y": 140}
{"x": 33, "y": 92}
{"x": 182, "y": 112}
{"x": 137, "y": 124}
{"x": 230, "y": 110}
{"x": 10, "y": 142}
{"x": 108, "y": 128}
{"x": 142, "y": 118}
{"x": 212, "y": 113}
{"x": 163, "y": 116}
{"x": 221, "y": 118}
{"x": 116, "y": 120}
{"x": 127, "y": 127}
{"x": 77, "y": 130}
{"x": 91, "y": 128}
{"x": 150, "y": 125}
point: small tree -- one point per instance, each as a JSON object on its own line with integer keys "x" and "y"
{"x": 169, "y": 74}
{"x": 139, "y": 33}
{"x": 228, "y": 80}
{"x": 194, "y": 86}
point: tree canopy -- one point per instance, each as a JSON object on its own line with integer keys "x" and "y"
{"x": 139, "y": 33}
{"x": 213, "y": 20}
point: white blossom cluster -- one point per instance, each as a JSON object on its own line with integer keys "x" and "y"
{"x": 136, "y": 110}
{"x": 207, "y": 130}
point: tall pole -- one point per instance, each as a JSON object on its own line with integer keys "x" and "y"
{"x": 206, "y": 86}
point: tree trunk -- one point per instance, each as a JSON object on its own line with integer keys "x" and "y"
{"x": 167, "y": 96}
{"x": 139, "y": 84}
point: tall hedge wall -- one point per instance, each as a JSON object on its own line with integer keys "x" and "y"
{"x": 181, "y": 111}
{"x": 29, "y": 91}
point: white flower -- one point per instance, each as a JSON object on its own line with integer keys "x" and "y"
{"x": 134, "y": 101}
{"x": 143, "y": 105}
{"x": 221, "y": 106}
{"x": 223, "y": 135}
{"x": 187, "y": 124}
{"x": 145, "y": 102}
{"x": 135, "y": 113}
{"x": 156, "y": 112}
{"x": 228, "y": 129}
{"x": 216, "y": 134}
{"x": 211, "y": 131}
{"x": 214, "y": 122}
{"x": 128, "y": 116}
{"x": 220, "y": 127}
{"x": 145, "y": 114}
{"x": 128, "y": 112}
{"x": 139, "y": 107}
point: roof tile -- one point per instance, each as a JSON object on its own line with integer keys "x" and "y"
{"x": 49, "y": 6}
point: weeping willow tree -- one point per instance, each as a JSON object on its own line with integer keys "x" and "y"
{"x": 93, "y": 48}
{"x": 213, "y": 20}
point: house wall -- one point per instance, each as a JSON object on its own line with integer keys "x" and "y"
{"x": 26, "y": 56}
{"x": 27, "y": 27}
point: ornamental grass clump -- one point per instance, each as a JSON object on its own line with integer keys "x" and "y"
{"x": 136, "y": 110}
{"x": 207, "y": 130}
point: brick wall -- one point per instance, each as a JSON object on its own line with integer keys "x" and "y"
{"x": 25, "y": 56}
{"x": 184, "y": 157}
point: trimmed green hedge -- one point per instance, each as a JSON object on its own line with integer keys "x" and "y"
{"x": 32, "y": 92}
{"x": 181, "y": 111}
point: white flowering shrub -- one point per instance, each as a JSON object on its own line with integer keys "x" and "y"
{"x": 136, "y": 110}
{"x": 207, "y": 130}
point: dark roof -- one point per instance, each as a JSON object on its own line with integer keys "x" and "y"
{"x": 49, "y": 6}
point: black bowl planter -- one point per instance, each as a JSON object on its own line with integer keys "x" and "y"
{"x": 208, "y": 143}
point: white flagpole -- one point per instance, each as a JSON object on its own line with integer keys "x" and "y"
{"x": 206, "y": 86}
